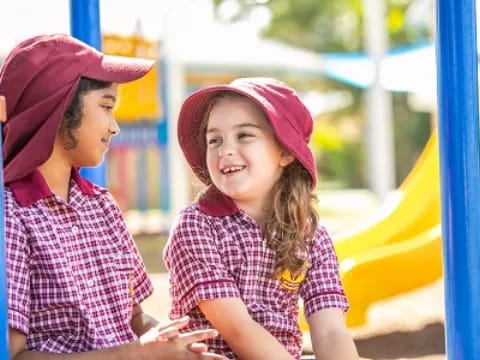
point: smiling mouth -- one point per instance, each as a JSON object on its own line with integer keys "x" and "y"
{"x": 232, "y": 169}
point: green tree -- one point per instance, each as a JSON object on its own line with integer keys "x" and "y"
{"x": 330, "y": 25}
{"x": 337, "y": 26}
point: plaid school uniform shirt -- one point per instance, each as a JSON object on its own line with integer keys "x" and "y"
{"x": 217, "y": 251}
{"x": 73, "y": 270}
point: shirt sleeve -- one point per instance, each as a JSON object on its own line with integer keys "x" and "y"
{"x": 18, "y": 274}
{"x": 322, "y": 288}
{"x": 194, "y": 262}
{"x": 140, "y": 282}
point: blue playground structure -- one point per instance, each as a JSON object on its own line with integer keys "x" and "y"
{"x": 459, "y": 164}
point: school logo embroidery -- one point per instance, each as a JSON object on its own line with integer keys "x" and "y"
{"x": 293, "y": 281}
{"x": 131, "y": 289}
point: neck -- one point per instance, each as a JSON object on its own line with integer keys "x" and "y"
{"x": 258, "y": 209}
{"x": 56, "y": 172}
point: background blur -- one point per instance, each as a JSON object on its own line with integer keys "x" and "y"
{"x": 368, "y": 80}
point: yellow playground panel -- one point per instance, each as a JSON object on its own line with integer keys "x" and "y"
{"x": 399, "y": 250}
{"x": 139, "y": 99}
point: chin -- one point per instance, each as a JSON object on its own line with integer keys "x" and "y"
{"x": 91, "y": 164}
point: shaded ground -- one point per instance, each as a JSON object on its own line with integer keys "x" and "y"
{"x": 405, "y": 327}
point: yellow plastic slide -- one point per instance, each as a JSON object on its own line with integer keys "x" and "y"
{"x": 413, "y": 208}
{"x": 399, "y": 250}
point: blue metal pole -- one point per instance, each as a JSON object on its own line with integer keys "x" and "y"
{"x": 4, "y": 353}
{"x": 85, "y": 26}
{"x": 460, "y": 174}
{"x": 163, "y": 140}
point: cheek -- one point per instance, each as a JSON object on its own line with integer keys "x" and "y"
{"x": 210, "y": 160}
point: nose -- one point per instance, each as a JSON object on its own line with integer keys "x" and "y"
{"x": 226, "y": 149}
{"x": 114, "y": 129}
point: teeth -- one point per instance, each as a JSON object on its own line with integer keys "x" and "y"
{"x": 232, "y": 169}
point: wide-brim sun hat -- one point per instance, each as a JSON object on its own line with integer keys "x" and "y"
{"x": 289, "y": 118}
{"x": 39, "y": 79}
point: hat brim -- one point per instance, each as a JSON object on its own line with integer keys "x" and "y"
{"x": 192, "y": 113}
{"x": 119, "y": 69}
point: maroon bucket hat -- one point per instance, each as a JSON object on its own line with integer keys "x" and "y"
{"x": 290, "y": 120}
{"x": 39, "y": 79}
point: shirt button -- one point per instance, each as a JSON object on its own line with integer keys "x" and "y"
{"x": 90, "y": 282}
{"x": 74, "y": 230}
{"x": 110, "y": 337}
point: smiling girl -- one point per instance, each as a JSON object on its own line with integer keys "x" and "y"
{"x": 242, "y": 256}
{"x": 75, "y": 277}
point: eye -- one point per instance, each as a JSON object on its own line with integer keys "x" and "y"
{"x": 245, "y": 135}
{"x": 213, "y": 141}
{"x": 108, "y": 108}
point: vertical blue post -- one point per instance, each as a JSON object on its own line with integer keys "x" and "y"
{"x": 163, "y": 140}
{"x": 85, "y": 26}
{"x": 4, "y": 354}
{"x": 460, "y": 174}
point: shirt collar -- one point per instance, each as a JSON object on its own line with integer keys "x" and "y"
{"x": 33, "y": 187}
{"x": 215, "y": 203}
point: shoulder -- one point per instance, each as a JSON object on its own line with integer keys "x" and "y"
{"x": 322, "y": 242}
{"x": 191, "y": 227}
{"x": 190, "y": 218}
{"x": 321, "y": 233}
{"x": 11, "y": 206}
{"x": 103, "y": 198}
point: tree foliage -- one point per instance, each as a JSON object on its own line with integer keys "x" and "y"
{"x": 332, "y": 25}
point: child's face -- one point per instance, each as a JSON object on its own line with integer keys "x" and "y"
{"x": 97, "y": 126}
{"x": 244, "y": 159}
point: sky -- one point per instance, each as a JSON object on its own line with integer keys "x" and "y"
{"x": 20, "y": 19}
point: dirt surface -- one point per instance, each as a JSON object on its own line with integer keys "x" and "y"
{"x": 409, "y": 326}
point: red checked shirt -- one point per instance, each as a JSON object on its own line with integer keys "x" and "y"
{"x": 218, "y": 251}
{"x": 73, "y": 270}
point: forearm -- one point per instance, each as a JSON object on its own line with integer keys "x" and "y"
{"x": 334, "y": 345}
{"x": 253, "y": 342}
{"x": 132, "y": 351}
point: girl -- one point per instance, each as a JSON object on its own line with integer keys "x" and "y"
{"x": 242, "y": 255}
{"x": 75, "y": 277}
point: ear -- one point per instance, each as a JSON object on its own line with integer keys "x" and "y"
{"x": 286, "y": 159}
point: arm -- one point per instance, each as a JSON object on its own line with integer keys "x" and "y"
{"x": 141, "y": 322}
{"x": 166, "y": 345}
{"x": 330, "y": 337}
{"x": 247, "y": 338}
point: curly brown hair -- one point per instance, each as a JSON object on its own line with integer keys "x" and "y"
{"x": 293, "y": 219}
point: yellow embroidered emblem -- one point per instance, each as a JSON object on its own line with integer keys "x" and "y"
{"x": 292, "y": 281}
{"x": 131, "y": 288}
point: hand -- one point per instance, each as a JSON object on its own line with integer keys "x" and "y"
{"x": 3, "y": 109}
{"x": 166, "y": 342}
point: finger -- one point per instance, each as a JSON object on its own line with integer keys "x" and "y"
{"x": 178, "y": 323}
{"x": 3, "y": 109}
{"x": 198, "y": 348}
{"x": 168, "y": 334}
{"x": 198, "y": 336}
{"x": 211, "y": 356}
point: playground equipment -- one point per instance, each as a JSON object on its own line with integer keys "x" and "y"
{"x": 399, "y": 250}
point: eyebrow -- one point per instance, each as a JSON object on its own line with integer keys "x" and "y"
{"x": 108, "y": 96}
{"x": 243, "y": 125}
